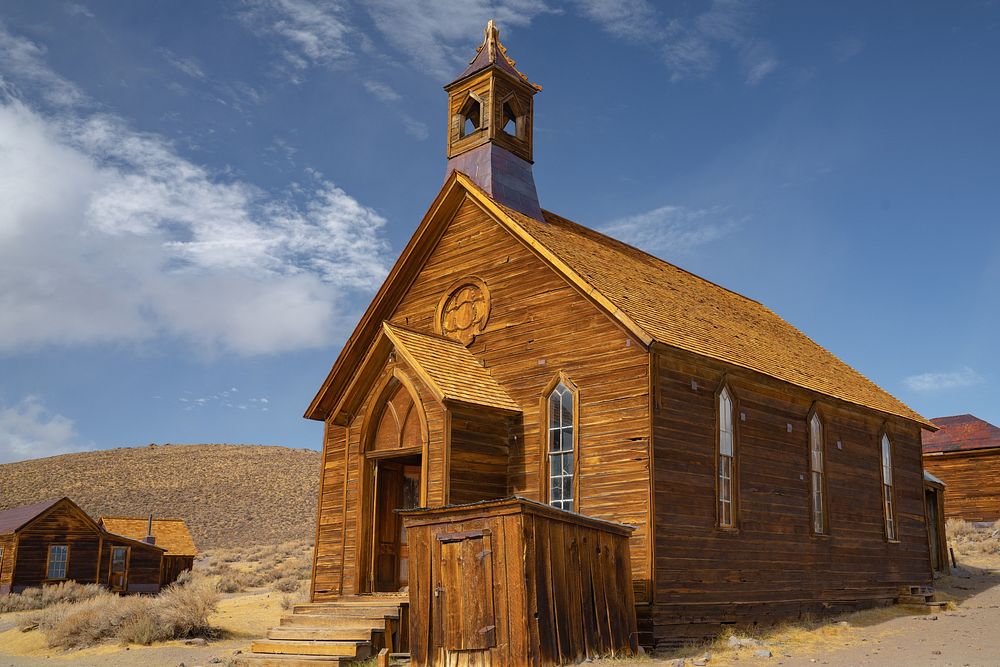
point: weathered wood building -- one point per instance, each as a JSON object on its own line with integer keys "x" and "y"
{"x": 511, "y": 351}
{"x": 965, "y": 455}
{"x": 172, "y": 535}
{"x": 55, "y": 541}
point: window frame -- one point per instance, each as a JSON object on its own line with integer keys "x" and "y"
{"x": 888, "y": 491}
{"x": 816, "y": 414}
{"x": 733, "y": 525}
{"x": 546, "y": 480}
{"x": 48, "y": 563}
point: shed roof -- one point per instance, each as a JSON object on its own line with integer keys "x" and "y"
{"x": 449, "y": 369}
{"x": 171, "y": 534}
{"x": 961, "y": 433}
{"x": 16, "y": 518}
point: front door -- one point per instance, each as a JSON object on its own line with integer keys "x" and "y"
{"x": 930, "y": 497}
{"x": 397, "y": 486}
{"x": 118, "y": 577}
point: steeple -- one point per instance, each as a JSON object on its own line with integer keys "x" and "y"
{"x": 490, "y": 107}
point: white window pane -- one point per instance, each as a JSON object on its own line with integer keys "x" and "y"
{"x": 554, "y": 410}
{"x": 726, "y": 443}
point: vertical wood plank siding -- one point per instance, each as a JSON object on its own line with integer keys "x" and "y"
{"x": 973, "y": 483}
{"x": 772, "y": 566}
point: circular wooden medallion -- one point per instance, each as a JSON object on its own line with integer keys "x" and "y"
{"x": 463, "y": 311}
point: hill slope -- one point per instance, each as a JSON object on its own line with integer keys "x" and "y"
{"x": 230, "y": 495}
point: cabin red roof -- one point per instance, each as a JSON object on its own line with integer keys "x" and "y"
{"x": 961, "y": 433}
{"x": 14, "y": 519}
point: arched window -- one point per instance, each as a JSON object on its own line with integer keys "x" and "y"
{"x": 727, "y": 493}
{"x": 471, "y": 117}
{"x": 887, "y": 494}
{"x": 561, "y": 446}
{"x": 398, "y": 424}
{"x": 816, "y": 466}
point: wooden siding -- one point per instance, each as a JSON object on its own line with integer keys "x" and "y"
{"x": 479, "y": 455}
{"x": 516, "y": 583}
{"x": 7, "y": 543}
{"x": 63, "y": 524}
{"x": 540, "y": 325}
{"x": 771, "y": 566}
{"x": 972, "y": 480}
{"x": 143, "y": 566}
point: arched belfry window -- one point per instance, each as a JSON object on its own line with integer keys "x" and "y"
{"x": 561, "y": 439}
{"x": 726, "y": 455}
{"x": 509, "y": 120}
{"x": 471, "y": 116}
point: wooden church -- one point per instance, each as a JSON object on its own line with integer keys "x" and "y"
{"x": 513, "y": 352}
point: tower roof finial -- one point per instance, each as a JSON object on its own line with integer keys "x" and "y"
{"x": 492, "y": 53}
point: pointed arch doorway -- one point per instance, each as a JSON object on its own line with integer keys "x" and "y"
{"x": 395, "y": 461}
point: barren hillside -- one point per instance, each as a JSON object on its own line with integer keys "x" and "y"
{"x": 230, "y": 495}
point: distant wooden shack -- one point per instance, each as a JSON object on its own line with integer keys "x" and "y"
{"x": 170, "y": 534}
{"x": 55, "y": 541}
{"x": 965, "y": 455}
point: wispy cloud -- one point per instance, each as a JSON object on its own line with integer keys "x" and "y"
{"x": 109, "y": 234}
{"x": 927, "y": 382}
{"x": 669, "y": 231}
{"x": 846, "y": 48}
{"x": 227, "y": 398}
{"x": 187, "y": 65}
{"x": 310, "y": 33}
{"x": 29, "y": 430}
{"x": 692, "y": 45}
{"x": 382, "y": 91}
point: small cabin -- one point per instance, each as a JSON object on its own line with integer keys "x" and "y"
{"x": 965, "y": 455}
{"x": 55, "y": 541}
{"x": 170, "y": 534}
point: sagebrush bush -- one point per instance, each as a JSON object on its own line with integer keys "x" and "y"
{"x": 969, "y": 538}
{"x": 47, "y": 596}
{"x": 279, "y": 567}
{"x": 180, "y": 611}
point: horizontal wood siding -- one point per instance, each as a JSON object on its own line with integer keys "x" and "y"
{"x": 972, "y": 482}
{"x": 479, "y": 455}
{"x": 7, "y": 562}
{"x": 330, "y": 531}
{"x": 538, "y": 326}
{"x": 772, "y": 566}
{"x": 60, "y": 525}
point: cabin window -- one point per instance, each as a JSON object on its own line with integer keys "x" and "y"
{"x": 816, "y": 466}
{"x": 726, "y": 486}
{"x": 561, "y": 449}
{"x": 58, "y": 559}
{"x": 887, "y": 495}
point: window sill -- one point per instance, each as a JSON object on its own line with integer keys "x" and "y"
{"x": 892, "y": 542}
{"x": 820, "y": 536}
{"x": 728, "y": 530}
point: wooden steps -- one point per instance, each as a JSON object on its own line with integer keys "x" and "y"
{"x": 328, "y": 633}
{"x": 923, "y": 597}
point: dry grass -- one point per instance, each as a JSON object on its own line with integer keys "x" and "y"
{"x": 206, "y": 485}
{"x": 281, "y": 567}
{"x": 970, "y": 539}
{"x": 180, "y": 611}
{"x": 47, "y": 596}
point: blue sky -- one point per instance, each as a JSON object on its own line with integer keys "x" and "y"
{"x": 199, "y": 199}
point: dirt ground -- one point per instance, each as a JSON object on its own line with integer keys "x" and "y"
{"x": 967, "y": 635}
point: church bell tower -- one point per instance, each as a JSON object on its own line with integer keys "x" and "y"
{"x": 490, "y": 113}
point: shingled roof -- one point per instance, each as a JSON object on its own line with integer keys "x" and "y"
{"x": 656, "y": 301}
{"x": 171, "y": 534}
{"x": 492, "y": 53}
{"x": 961, "y": 433}
{"x": 449, "y": 369}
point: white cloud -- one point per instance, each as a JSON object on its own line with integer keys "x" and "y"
{"x": 108, "y": 234}
{"x": 382, "y": 91}
{"x": 847, "y": 47}
{"x": 187, "y": 65}
{"x": 28, "y": 430}
{"x": 629, "y": 19}
{"x": 312, "y": 33}
{"x": 672, "y": 230}
{"x": 927, "y": 382}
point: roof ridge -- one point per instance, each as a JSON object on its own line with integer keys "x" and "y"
{"x": 434, "y": 336}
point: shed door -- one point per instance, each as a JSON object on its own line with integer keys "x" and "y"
{"x": 463, "y": 592}
{"x": 118, "y": 577}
